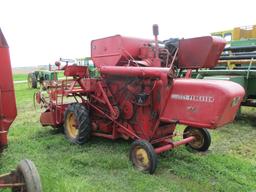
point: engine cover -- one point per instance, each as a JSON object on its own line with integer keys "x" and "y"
{"x": 209, "y": 103}
{"x": 200, "y": 52}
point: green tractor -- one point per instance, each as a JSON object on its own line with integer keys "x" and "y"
{"x": 87, "y": 61}
{"x": 40, "y": 78}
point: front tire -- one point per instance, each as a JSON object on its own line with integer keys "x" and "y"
{"x": 77, "y": 126}
{"x": 27, "y": 173}
{"x": 143, "y": 156}
{"x": 202, "y": 138}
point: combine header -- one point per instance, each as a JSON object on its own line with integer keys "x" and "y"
{"x": 138, "y": 96}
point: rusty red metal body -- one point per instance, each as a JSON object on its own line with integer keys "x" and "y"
{"x": 194, "y": 53}
{"x": 25, "y": 177}
{"x": 200, "y": 52}
{"x": 10, "y": 180}
{"x": 8, "y": 110}
{"x": 115, "y": 50}
{"x": 138, "y": 94}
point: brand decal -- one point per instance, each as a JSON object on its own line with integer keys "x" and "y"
{"x": 197, "y": 98}
{"x": 235, "y": 101}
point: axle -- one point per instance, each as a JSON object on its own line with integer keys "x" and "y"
{"x": 172, "y": 145}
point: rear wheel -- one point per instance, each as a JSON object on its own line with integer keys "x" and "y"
{"x": 143, "y": 156}
{"x": 77, "y": 123}
{"x": 202, "y": 138}
{"x": 27, "y": 173}
{"x": 32, "y": 81}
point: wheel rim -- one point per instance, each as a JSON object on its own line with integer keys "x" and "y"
{"x": 140, "y": 158}
{"x": 71, "y": 125}
{"x": 198, "y": 142}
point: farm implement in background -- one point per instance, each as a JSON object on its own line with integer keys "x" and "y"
{"x": 138, "y": 96}
{"x": 40, "y": 77}
{"x": 25, "y": 178}
{"x": 43, "y": 78}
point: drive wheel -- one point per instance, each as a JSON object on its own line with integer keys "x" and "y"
{"x": 77, "y": 123}
{"x": 143, "y": 156}
{"x": 32, "y": 81}
{"x": 27, "y": 174}
{"x": 202, "y": 138}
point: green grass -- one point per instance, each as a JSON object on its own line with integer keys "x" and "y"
{"x": 103, "y": 165}
{"x": 20, "y": 77}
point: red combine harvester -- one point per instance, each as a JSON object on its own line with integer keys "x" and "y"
{"x": 138, "y": 96}
{"x": 25, "y": 178}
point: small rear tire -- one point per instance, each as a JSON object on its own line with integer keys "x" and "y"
{"x": 202, "y": 138}
{"x": 143, "y": 156}
{"x": 27, "y": 173}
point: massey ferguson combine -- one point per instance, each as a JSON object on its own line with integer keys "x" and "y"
{"x": 138, "y": 96}
{"x": 25, "y": 178}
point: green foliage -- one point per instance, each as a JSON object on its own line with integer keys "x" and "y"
{"x": 103, "y": 165}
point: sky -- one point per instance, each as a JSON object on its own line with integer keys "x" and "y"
{"x": 39, "y": 32}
